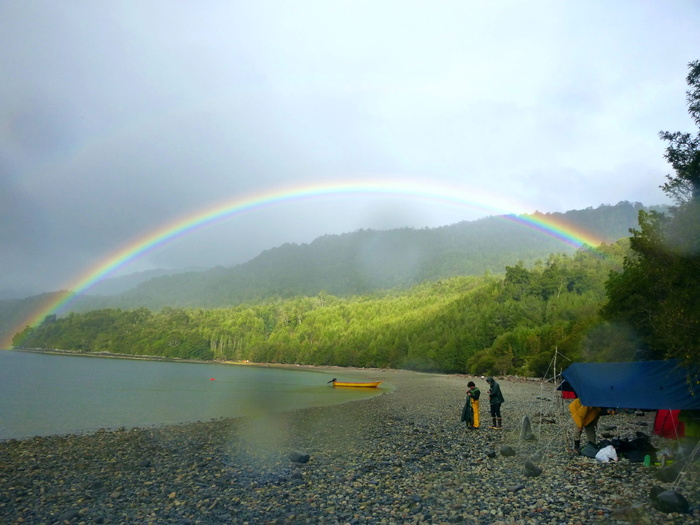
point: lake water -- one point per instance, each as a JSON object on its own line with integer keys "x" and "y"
{"x": 45, "y": 394}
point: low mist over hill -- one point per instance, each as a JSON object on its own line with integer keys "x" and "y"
{"x": 368, "y": 260}
{"x": 118, "y": 285}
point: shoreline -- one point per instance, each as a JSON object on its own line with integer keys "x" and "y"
{"x": 110, "y": 355}
{"x": 399, "y": 457}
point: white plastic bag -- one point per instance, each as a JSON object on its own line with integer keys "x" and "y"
{"x": 606, "y": 454}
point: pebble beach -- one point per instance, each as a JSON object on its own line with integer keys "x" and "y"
{"x": 401, "y": 457}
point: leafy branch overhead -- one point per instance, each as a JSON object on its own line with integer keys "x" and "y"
{"x": 683, "y": 152}
{"x": 657, "y": 295}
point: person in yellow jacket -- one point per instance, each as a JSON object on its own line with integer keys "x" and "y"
{"x": 473, "y": 394}
{"x": 470, "y": 413}
{"x": 585, "y": 418}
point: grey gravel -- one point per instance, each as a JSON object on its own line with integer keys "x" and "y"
{"x": 400, "y": 457}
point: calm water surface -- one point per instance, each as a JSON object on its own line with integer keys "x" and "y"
{"x": 44, "y": 394}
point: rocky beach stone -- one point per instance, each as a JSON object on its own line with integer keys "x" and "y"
{"x": 507, "y": 451}
{"x": 298, "y": 457}
{"x": 400, "y": 457}
{"x": 526, "y": 429}
{"x": 668, "y": 500}
{"x": 531, "y": 470}
{"x": 670, "y": 473}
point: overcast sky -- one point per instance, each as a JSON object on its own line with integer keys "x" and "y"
{"x": 117, "y": 118}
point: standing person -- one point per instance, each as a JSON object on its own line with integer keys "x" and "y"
{"x": 496, "y": 399}
{"x": 586, "y": 418}
{"x": 470, "y": 412}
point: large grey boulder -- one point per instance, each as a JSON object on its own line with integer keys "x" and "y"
{"x": 668, "y": 500}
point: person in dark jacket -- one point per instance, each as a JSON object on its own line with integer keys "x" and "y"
{"x": 495, "y": 399}
{"x": 470, "y": 412}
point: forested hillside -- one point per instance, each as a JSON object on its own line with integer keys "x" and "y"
{"x": 344, "y": 265}
{"x": 481, "y": 324}
{"x": 365, "y": 261}
{"x": 15, "y": 311}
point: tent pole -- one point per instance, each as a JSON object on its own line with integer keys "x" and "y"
{"x": 560, "y": 401}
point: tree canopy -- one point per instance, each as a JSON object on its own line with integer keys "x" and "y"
{"x": 683, "y": 151}
{"x": 657, "y": 294}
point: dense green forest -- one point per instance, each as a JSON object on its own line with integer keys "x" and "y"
{"x": 482, "y": 324}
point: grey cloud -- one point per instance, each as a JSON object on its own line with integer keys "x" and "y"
{"x": 117, "y": 119}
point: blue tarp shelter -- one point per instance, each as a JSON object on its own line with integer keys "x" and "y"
{"x": 644, "y": 385}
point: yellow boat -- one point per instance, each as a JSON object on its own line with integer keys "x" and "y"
{"x": 356, "y": 384}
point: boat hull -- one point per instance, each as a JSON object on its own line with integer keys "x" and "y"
{"x": 350, "y": 384}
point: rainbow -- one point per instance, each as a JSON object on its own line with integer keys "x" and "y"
{"x": 441, "y": 193}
